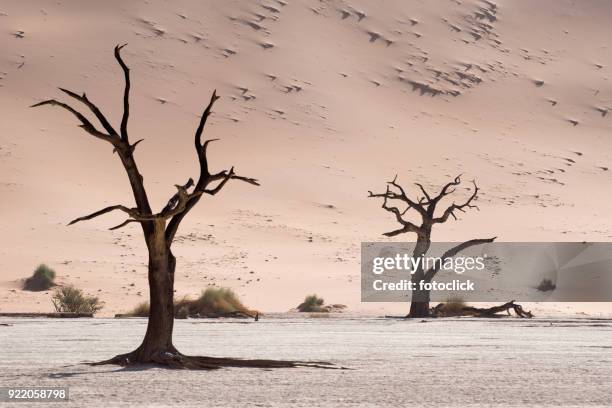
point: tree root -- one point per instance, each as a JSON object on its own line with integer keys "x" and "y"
{"x": 177, "y": 360}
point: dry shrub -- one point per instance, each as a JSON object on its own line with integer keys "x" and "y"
{"x": 141, "y": 310}
{"x": 213, "y": 302}
{"x": 69, "y": 299}
{"x": 453, "y": 307}
{"x": 312, "y": 304}
{"x": 546, "y": 285}
{"x": 41, "y": 279}
{"x": 219, "y": 301}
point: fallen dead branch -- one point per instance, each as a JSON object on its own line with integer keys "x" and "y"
{"x": 493, "y": 311}
{"x": 440, "y": 310}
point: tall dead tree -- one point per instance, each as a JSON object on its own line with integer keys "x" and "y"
{"x": 425, "y": 207}
{"x": 159, "y": 231}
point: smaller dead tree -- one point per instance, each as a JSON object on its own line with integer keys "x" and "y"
{"x": 426, "y": 207}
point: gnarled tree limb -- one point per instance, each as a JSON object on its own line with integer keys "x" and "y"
{"x": 446, "y": 190}
{"x": 452, "y": 252}
{"x": 123, "y": 224}
{"x": 132, "y": 212}
{"x": 135, "y": 216}
{"x": 407, "y": 226}
{"x": 85, "y": 123}
{"x": 418, "y": 206}
{"x": 425, "y": 206}
{"x": 175, "y": 198}
{"x": 450, "y": 211}
{"x": 223, "y": 174}
{"x": 205, "y": 177}
{"x": 126, "y": 93}
{"x": 389, "y": 194}
{"x": 83, "y": 99}
{"x": 425, "y": 193}
{"x": 219, "y": 186}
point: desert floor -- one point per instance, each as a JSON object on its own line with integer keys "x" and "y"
{"x": 443, "y": 362}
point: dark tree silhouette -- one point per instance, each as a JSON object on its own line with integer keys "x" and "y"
{"x": 159, "y": 230}
{"x": 426, "y": 208}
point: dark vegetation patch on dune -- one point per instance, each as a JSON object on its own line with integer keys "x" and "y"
{"x": 42, "y": 279}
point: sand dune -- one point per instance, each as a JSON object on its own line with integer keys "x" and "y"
{"x": 321, "y": 101}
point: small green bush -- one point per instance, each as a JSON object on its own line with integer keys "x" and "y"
{"x": 312, "y": 304}
{"x": 41, "y": 279}
{"x": 72, "y": 300}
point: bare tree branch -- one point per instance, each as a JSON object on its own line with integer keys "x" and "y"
{"x": 404, "y": 197}
{"x": 123, "y": 224}
{"x": 125, "y": 151}
{"x": 446, "y": 190}
{"x": 425, "y": 206}
{"x": 389, "y": 194}
{"x": 219, "y": 186}
{"x": 450, "y": 211}
{"x": 202, "y": 147}
{"x": 83, "y": 99}
{"x": 175, "y": 198}
{"x": 126, "y": 93}
{"x": 133, "y": 146}
{"x": 205, "y": 177}
{"x": 85, "y": 123}
{"x": 183, "y": 198}
{"x": 403, "y": 230}
{"x": 223, "y": 174}
{"x": 423, "y": 191}
{"x": 407, "y": 225}
{"x": 452, "y": 252}
{"x": 132, "y": 212}
{"x": 203, "y": 180}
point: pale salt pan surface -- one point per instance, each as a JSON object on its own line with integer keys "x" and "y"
{"x": 559, "y": 362}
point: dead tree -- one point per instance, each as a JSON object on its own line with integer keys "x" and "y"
{"x": 159, "y": 230}
{"x": 425, "y": 207}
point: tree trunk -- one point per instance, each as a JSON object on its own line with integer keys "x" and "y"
{"x": 419, "y": 305}
{"x": 158, "y": 338}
